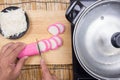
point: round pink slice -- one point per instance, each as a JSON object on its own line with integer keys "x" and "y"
{"x": 43, "y": 46}
{"x": 53, "y": 43}
{"x": 59, "y": 40}
{"x": 53, "y": 29}
{"x": 48, "y": 44}
{"x": 61, "y": 27}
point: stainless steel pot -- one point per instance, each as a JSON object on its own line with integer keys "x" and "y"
{"x": 96, "y": 37}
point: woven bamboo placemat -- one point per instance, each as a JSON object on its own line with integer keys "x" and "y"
{"x": 51, "y": 5}
{"x": 62, "y": 72}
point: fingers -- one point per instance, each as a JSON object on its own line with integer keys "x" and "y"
{"x": 46, "y": 75}
{"x": 5, "y": 47}
{"x": 15, "y": 50}
{"x": 45, "y": 72}
{"x": 11, "y": 50}
{"x": 19, "y": 65}
{"x": 54, "y": 77}
{"x": 8, "y": 56}
{"x": 14, "y": 47}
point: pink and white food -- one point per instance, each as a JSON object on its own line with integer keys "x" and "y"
{"x": 53, "y": 29}
{"x": 48, "y": 44}
{"x": 53, "y": 43}
{"x": 45, "y": 45}
{"x": 56, "y": 29}
{"x": 58, "y": 40}
{"x": 29, "y": 50}
{"x": 61, "y": 27}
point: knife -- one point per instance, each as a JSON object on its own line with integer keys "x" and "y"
{"x": 39, "y": 51}
{"x": 38, "y": 48}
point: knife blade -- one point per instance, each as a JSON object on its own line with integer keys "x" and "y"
{"x": 38, "y": 48}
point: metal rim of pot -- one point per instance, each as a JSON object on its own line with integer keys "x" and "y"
{"x": 74, "y": 46}
{"x": 76, "y": 21}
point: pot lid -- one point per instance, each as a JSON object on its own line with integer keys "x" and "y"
{"x": 96, "y": 39}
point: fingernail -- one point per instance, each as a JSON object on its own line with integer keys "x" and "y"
{"x": 24, "y": 44}
{"x": 25, "y": 57}
{"x": 42, "y": 61}
{"x": 21, "y": 43}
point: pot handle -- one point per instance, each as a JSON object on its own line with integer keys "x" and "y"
{"x": 74, "y": 10}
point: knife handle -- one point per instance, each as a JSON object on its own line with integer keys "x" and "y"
{"x": 29, "y": 50}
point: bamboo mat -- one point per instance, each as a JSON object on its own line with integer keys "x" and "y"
{"x": 62, "y": 72}
{"x": 52, "y": 5}
{"x": 33, "y": 72}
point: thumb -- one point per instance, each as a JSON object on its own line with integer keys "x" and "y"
{"x": 20, "y": 64}
{"x": 44, "y": 68}
{"x": 43, "y": 65}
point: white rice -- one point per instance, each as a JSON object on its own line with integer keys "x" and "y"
{"x": 13, "y": 22}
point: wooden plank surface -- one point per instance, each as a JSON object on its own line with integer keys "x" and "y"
{"x": 31, "y": 71}
{"x": 39, "y": 22}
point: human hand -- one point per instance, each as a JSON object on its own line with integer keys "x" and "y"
{"x": 45, "y": 72}
{"x": 9, "y": 69}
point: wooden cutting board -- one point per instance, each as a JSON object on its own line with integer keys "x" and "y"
{"x": 39, "y": 22}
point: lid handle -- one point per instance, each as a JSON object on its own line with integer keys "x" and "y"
{"x": 115, "y": 40}
{"x": 74, "y": 10}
